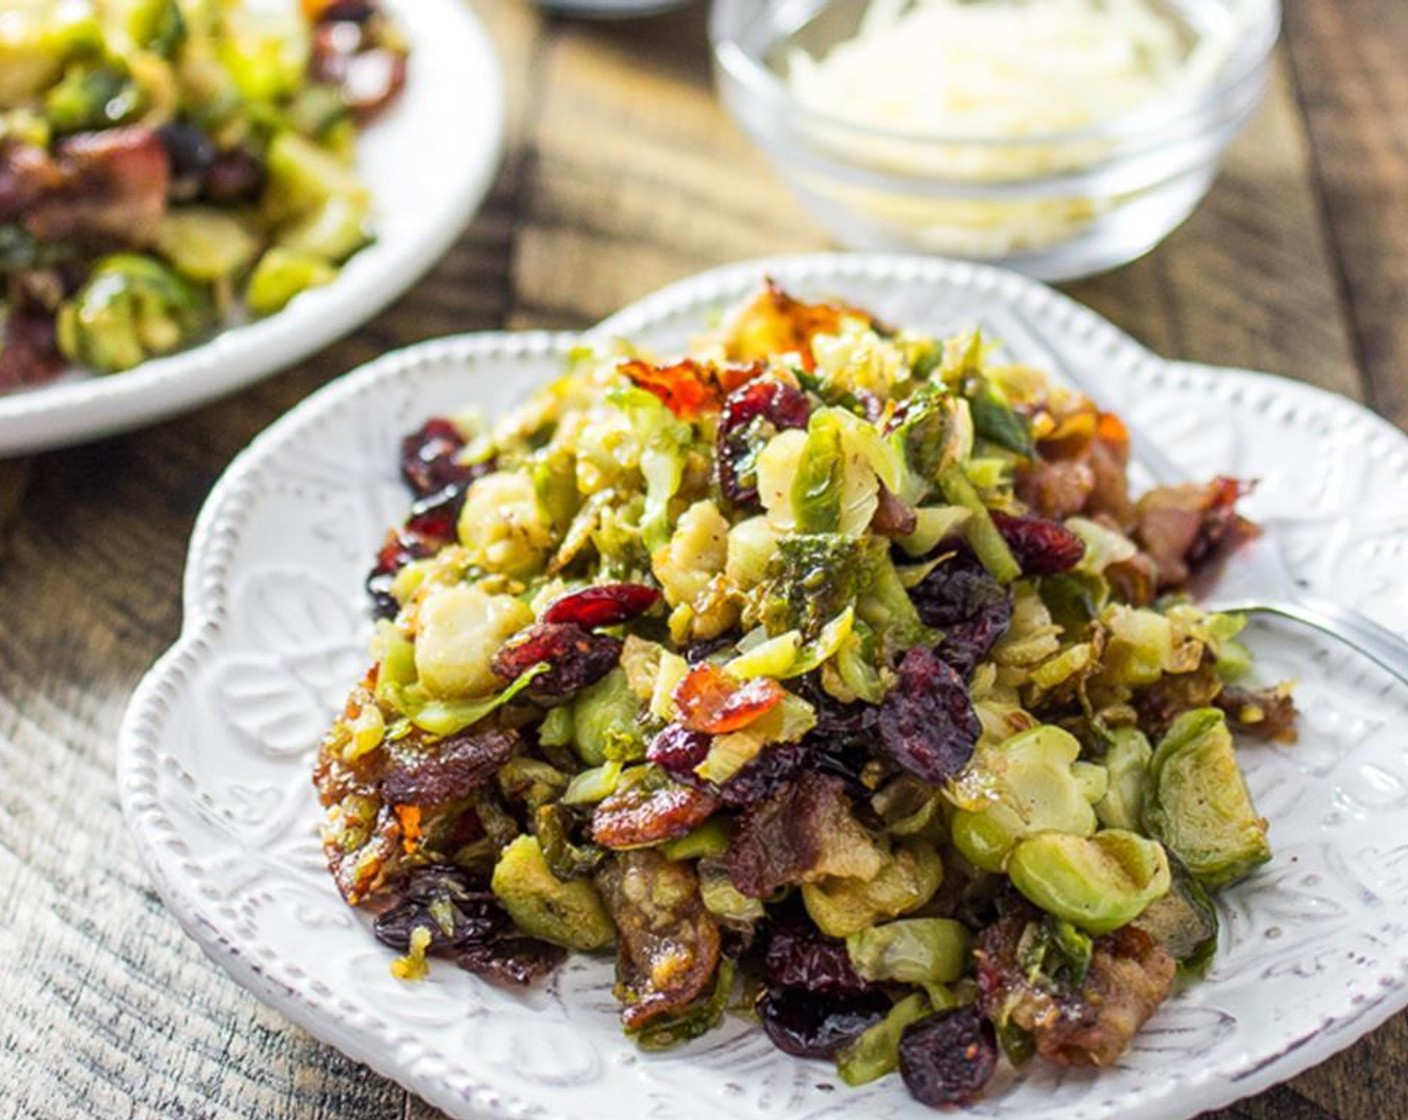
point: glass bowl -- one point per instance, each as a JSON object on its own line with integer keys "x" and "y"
{"x": 1055, "y": 206}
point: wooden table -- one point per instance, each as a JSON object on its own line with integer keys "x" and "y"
{"x": 622, "y": 173}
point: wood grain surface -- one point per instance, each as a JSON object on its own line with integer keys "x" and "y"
{"x": 622, "y": 173}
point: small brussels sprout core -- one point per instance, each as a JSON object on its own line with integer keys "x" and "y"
{"x": 1098, "y": 883}
{"x": 130, "y": 309}
{"x": 570, "y": 914}
{"x": 1199, "y": 804}
{"x": 1127, "y": 764}
{"x": 1037, "y": 788}
{"x": 912, "y": 951}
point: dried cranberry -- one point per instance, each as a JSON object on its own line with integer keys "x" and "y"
{"x": 927, "y": 722}
{"x": 743, "y": 429}
{"x": 606, "y": 604}
{"x": 710, "y": 700}
{"x": 810, "y": 1025}
{"x": 677, "y": 749}
{"x": 971, "y": 608}
{"x": 399, "y": 549}
{"x": 1041, "y": 547}
{"x": 575, "y": 658}
{"x": 429, "y": 458}
{"x": 948, "y": 1057}
{"x": 236, "y": 175}
{"x": 441, "y": 893}
{"x": 517, "y": 961}
{"x": 191, "y": 154}
{"x": 800, "y": 956}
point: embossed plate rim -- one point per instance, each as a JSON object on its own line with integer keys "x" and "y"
{"x": 408, "y": 1059}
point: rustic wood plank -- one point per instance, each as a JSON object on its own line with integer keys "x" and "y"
{"x": 1249, "y": 280}
{"x": 638, "y": 175}
{"x": 1349, "y": 61}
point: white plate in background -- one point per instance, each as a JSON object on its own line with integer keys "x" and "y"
{"x": 429, "y": 160}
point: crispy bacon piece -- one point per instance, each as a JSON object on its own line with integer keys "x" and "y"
{"x": 649, "y": 813}
{"x": 1090, "y": 1024}
{"x": 775, "y": 323}
{"x": 802, "y": 832}
{"x": 107, "y": 190}
{"x": 431, "y": 774}
{"x": 893, "y": 517}
{"x": 1186, "y": 528}
{"x": 689, "y": 388}
{"x": 709, "y": 700}
{"x": 1081, "y": 470}
{"x": 1266, "y": 714}
{"x": 667, "y": 942}
{"x": 26, "y": 174}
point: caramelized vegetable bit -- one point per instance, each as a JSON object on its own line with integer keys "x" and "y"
{"x": 647, "y": 808}
{"x": 669, "y": 943}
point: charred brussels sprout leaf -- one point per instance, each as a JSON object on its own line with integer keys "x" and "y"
{"x": 568, "y": 913}
{"x": 1184, "y": 922}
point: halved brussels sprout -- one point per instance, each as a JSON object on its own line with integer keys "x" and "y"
{"x": 92, "y": 96}
{"x": 37, "y": 37}
{"x": 907, "y": 880}
{"x": 567, "y": 913}
{"x": 205, "y": 243}
{"x": 912, "y": 951}
{"x": 1098, "y": 883}
{"x": 1199, "y": 804}
{"x": 604, "y": 719}
{"x": 130, "y": 309}
{"x": 282, "y": 274}
{"x": 461, "y": 627}
{"x": 1036, "y": 786}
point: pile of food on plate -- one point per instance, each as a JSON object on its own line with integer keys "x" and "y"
{"x": 831, "y": 673}
{"x": 165, "y": 164}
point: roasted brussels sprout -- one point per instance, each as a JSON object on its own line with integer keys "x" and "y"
{"x": 206, "y": 244}
{"x": 1098, "y": 883}
{"x": 92, "y": 95}
{"x": 1037, "y": 785}
{"x": 912, "y": 951}
{"x": 130, "y": 309}
{"x": 1127, "y": 764}
{"x": 282, "y": 274}
{"x": 568, "y": 913}
{"x": 907, "y": 880}
{"x": 1199, "y": 804}
{"x": 37, "y": 38}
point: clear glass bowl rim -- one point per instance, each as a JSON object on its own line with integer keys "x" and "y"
{"x": 1149, "y": 122}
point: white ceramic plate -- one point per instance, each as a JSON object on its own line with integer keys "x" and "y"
{"x": 429, "y": 161}
{"x": 216, "y": 747}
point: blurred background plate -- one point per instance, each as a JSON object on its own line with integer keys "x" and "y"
{"x": 429, "y": 161}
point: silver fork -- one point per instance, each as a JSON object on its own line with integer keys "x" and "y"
{"x": 1255, "y": 579}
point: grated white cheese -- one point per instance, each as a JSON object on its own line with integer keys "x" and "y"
{"x": 997, "y": 70}
{"x": 1000, "y": 68}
